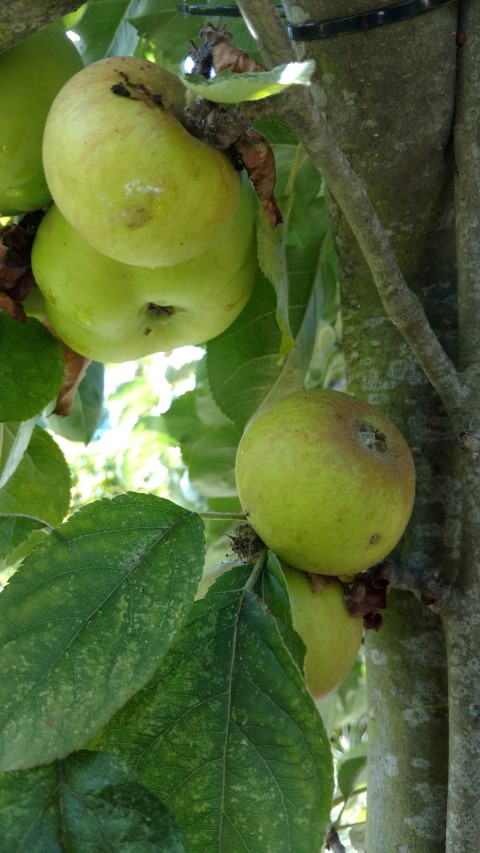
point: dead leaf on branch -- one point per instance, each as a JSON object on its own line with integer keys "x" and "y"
{"x": 12, "y": 308}
{"x": 249, "y": 148}
{"x": 75, "y": 367}
{"x": 216, "y": 53}
{"x": 367, "y": 594}
{"x": 259, "y": 162}
{"x": 15, "y": 249}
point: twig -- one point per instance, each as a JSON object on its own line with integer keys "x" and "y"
{"x": 401, "y": 305}
{"x": 333, "y": 842}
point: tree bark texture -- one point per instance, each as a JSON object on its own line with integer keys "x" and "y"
{"x": 388, "y": 95}
{"x": 20, "y": 18}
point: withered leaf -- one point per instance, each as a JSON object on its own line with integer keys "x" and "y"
{"x": 259, "y": 161}
{"x": 15, "y": 250}
{"x": 75, "y": 367}
{"x": 224, "y": 55}
{"x": 12, "y": 308}
{"x": 367, "y": 594}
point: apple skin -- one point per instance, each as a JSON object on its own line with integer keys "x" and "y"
{"x": 32, "y": 73}
{"x": 124, "y": 171}
{"x": 326, "y": 480}
{"x": 100, "y": 307}
{"x": 332, "y": 637}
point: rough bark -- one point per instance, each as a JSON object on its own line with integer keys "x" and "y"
{"x": 388, "y": 95}
{"x": 392, "y": 113}
{"x": 21, "y": 18}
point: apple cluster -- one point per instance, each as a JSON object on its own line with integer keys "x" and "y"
{"x": 328, "y": 483}
{"x": 150, "y": 241}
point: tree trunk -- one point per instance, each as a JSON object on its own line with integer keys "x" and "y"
{"x": 388, "y": 95}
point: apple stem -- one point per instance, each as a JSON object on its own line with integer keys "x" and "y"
{"x": 257, "y": 570}
{"x": 222, "y": 516}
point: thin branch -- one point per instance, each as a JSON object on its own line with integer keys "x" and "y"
{"x": 467, "y": 183}
{"x": 401, "y": 305}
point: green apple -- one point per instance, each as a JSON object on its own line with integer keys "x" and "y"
{"x": 332, "y": 637}
{"x": 109, "y": 311}
{"x": 125, "y": 172}
{"x": 326, "y": 480}
{"x": 31, "y": 74}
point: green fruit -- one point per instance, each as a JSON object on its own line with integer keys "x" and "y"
{"x": 126, "y": 174}
{"x": 332, "y": 637}
{"x": 109, "y": 311}
{"x": 31, "y": 74}
{"x": 327, "y": 481}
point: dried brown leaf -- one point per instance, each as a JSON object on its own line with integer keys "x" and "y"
{"x": 227, "y": 57}
{"x": 75, "y": 367}
{"x": 12, "y": 308}
{"x": 259, "y": 161}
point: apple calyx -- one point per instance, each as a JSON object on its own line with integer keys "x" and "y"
{"x": 246, "y": 543}
{"x": 372, "y": 438}
{"x": 167, "y": 310}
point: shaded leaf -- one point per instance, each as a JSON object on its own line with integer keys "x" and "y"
{"x": 211, "y": 463}
{"x": 244, "y": 365}
{"x": 40, "y": 486}
{"x": 226, "y": 730}
{"x": 89, "y": 802}
{"x": 15, "y": 529}
{"x": 271, "y": 257}
{"x": 32, "y": 368}
{"x": 88, "y": 618}
{"x": 105, "y": 31}
{"x": 88, "y": 407}
{"x": 350, "y": 768}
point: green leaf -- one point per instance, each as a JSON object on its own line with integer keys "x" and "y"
{"x": 32, "y": 368}
{"x": 271, "y": 257}
{"x": 211, "y": 465}
{"x": 15, "y": 529}
{"x": 244, "y": 365}
{"x": 351, "y": 767}
{"x": 87, "y": 619}
{"x": 105, "y": 31}
{"x": 231, "y": 88}
{"x": 89, "y": 802}
{"x": 40, "y": 486}
{"x": 253, "y": 363}
{"x": 14, "y": 439}
{"x": 88, "y": 408}
{"x": 227, "y": 733}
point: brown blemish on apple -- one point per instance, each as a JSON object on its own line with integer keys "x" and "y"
{"x": 136, "y": 91}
